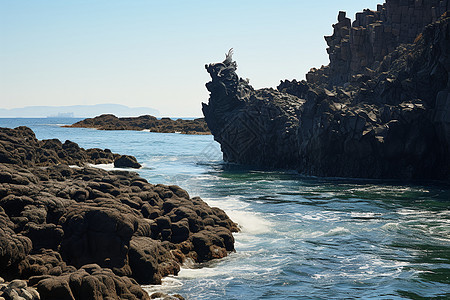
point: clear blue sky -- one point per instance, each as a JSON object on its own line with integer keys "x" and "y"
{"x": 152, "y": 53}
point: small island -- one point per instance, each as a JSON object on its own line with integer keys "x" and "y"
{"x": 146, "y": 123}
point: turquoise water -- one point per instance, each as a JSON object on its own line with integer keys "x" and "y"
{"x": 301, "y": 238}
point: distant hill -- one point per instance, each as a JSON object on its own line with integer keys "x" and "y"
{"x": 81, "y": 111}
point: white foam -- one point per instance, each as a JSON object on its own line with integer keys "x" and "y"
{"x": 337, "y": 231}
{"x": 309, "y": 217}
{"x": 75, "y": 167}
{"x": 328, "y": 216}
{"x": 319, "y": 276}
{"x": 391, "y": 226}
{"x": 390, "y": 263}
{"x": 250, "y": 222}
{"x": 168, "y": 285}
{"x": 368, "y": 215}
{"x": 107, "y": 167}
{"x": 164, "y": 158}
{"x": 189, "y": 273}
{"x": 406, "y": 212}
{"x": 228, "y": 266}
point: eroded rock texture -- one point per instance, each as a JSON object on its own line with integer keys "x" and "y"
{"x": 359, "y": 47}
{"x": 86, "y": 233}
{"x": 391, "y": 120}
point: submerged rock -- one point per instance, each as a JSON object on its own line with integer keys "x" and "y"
{"x": 390, "y": 121}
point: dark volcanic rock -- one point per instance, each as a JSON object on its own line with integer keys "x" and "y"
{"x": 359, "y": 47}
{"x": 390, "y": 121}
{"x": 86, "y": 233}
{"x": 126, "y": 161}
{"x": 150, "y": 261}
{"x": 89, "y": 282}
{"x": 153, "y": 124}
{"x": 20, "y": 146}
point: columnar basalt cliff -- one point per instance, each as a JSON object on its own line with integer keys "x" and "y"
{"x": 359, "y": 47}
{"x": 381, "y": 109}
{"x": 85, "y": 233}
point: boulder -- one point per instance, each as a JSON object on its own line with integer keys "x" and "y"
{"x": 126, "y": 161}
{"x": 150, "y": 261}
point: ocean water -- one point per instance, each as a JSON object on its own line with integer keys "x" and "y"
{"x": 301, "y": 238}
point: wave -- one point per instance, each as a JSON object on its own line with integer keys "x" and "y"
{"x": 168, "y": 285}
{"x": 337, "y": 231}
{"x": 249, "y": 222}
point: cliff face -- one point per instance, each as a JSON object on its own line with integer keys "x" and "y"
{"x": 359, "y": 47}
{"x": 381, "y": 109}
{"x": 253, "y": 126}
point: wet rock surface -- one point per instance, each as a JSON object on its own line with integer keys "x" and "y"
{"x": 391, "y": 120}
{"x": 86, "y": 233}
{"x": 147, "y": 122}
{"x": 126, "y": 161}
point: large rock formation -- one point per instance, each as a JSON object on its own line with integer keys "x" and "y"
{"x": 147, "y": 122}
{"x": 359, "y": 47}
{"x": 384, "y": 117}
{"x": 85, "y": 233}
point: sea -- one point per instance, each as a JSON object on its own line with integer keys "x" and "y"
{"x": 301, "y": 237}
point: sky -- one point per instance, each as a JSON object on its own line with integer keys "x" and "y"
{"x": 146, "y": 53}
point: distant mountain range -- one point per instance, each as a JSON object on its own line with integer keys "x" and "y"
{"x": 76, "y": 111}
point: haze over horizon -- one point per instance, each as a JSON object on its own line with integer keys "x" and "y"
{"x": 152, "y": 53}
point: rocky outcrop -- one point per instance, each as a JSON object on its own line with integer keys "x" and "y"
{"x": 86, "y": 233}
{"x": 391, "y": 121}
{"x": 150, "y": 123}
{"x": 20, "y": 146}
{"x": 359, "y": 47}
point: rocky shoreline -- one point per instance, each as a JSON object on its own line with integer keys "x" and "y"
{"x": 71, "y": 231}
{"x": 147, "y": 122}
{"x": 380, "y": 109}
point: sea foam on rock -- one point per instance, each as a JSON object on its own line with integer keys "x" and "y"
{"x": 86, "y": 233}
{"x": 381, "y": 109}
